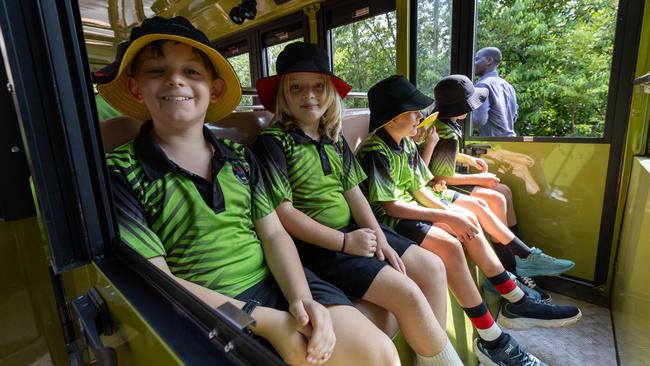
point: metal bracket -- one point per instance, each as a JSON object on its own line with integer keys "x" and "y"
{"x": 235, "y": 316}
{"x": 92, "y": 314}
{"x": 643, "y": 81}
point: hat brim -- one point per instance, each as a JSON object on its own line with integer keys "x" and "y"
{"x": 117, "y": 94}
{"x": 415, "y": 102}
{"x": 469, "y": 104}
{"x": 267, "y": 88}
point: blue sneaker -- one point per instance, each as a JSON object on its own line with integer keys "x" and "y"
{"x": 530, "y": 291}
{"x": 540, "y": 264}
{"x": 531, "y": 313}
{"x": 509, "y": 353}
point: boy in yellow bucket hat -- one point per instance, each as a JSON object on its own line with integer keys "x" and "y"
{"x": 196, "y": 207}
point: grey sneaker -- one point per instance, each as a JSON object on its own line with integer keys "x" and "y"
{"x": 540, "y": 264}
{"x": 509, "y": 353}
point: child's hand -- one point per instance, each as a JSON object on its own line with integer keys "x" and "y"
{"x": 479, "y": 164}
{"x": 385, "y": 252}
{"x": 439, "y": 186}
{"x": 361, "y": 242}
{"x": 320, "y": 334}
{"x": 285, "y": 335}
{"x": 487, "y": 180}
{"x": 464, "y": 228}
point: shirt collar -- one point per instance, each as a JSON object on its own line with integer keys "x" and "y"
{"x": 155, "y": 163}
{"x": 390, "y": 141}
{"x": 489, "y": 74}
{"x": 300, "y": 137}
{"x": 453, "y": 125}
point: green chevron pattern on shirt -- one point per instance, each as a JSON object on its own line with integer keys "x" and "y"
{"x": 394, "y": 172}
{"x": 443, "y": 160}
{"x": 167, "y": 216}
{"x": 312, "y": 175}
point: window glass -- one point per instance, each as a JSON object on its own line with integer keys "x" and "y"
{"x": 364, "y": 53}
{"x": 557, "y": 55}
{"x": 272, "y": 53}
{"x": 433, "y": 42}
{"x": 241, "y": 64}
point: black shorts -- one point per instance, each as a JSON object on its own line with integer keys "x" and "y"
{"x": 464, "y": 189}
{"x": 415, "y": 230}
{"x": 268, "y": 293}
{"x": 351, "y": 273}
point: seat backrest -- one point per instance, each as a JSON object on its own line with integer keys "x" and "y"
{"x": 355, "y": 126}
{"x": 241, "y": 127}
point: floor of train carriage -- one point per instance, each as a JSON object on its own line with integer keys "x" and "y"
{"x": 588, "y": 342}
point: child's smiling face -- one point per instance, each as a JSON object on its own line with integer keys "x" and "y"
{"x": 176, "y": 86}
{"x": 306, "y": 97}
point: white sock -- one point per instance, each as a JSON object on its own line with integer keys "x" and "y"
{"x": 448, "y": 357}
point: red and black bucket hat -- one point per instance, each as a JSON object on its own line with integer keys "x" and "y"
{"x": 297, "y": 57}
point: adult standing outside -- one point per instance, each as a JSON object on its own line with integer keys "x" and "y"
{"x": 497, "y": 116}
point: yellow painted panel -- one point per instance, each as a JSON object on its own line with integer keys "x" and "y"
{"x": 635, "y": 141}
{"x": 28, "y": 316}
{"x": 134, "y": 341}
{"x": 558, "y": 195}
{"x": 630, "y": 291}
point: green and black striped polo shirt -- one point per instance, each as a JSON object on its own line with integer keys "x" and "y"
{"x": 443, "y": 160}
{"x": 311, "y": 174}
{"x": 394, "y": 171}
{"x": 203, "y": 229}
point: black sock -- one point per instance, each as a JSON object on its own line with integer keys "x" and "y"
{"x": 515, "y": 230}
{"x": 505, "y": 256}
{"x": 495, "y": 343}
{"x": 518, "y": 248}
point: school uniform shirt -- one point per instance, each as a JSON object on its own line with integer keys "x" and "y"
{"x": 394, "y": 171}
{"x": 310, "y": 174}
{"x": 203, "y": 230}
{"x": 443, "y": 160}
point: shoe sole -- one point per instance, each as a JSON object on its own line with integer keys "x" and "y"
{"x": 527, "y": 323}
{"x": 485, "y": 360}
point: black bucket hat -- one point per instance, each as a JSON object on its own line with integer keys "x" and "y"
{"x": 391, "y": 97}
{"x": 113, "y": 78}
{"x": 297, "y": 57}
{"x": 456, "y": 95}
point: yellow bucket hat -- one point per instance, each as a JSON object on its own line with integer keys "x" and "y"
{"x": 113, "y": 78}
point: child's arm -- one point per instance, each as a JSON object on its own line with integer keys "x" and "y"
{"x": 283, "y": 260}
{"x": 363, "y": 216}
{"x": 488, "y": 180}
{"x": 462, "y": 226}
{"x": 280, "y": 328}
{"x": 477, "y": 163}
{"x": 430, "y": 141}
{"x": 361, "y": 242}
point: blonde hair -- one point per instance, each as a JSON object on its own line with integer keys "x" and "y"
{"x": 330, "y": 122}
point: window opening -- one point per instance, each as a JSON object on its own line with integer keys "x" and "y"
{"x": 557, "y": 55}
{"x": 434, "y": 18}
{"x": 364, "y": 52}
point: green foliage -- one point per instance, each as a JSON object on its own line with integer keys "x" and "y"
{"x": 364, "y": 53}
{"x": 557, "y": 55}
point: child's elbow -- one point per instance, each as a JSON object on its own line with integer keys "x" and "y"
{"x": 389, "y": 207}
